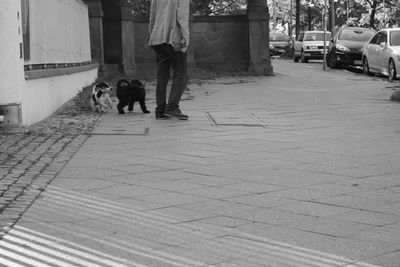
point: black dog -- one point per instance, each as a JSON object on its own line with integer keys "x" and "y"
{"x": 130, "y": 92}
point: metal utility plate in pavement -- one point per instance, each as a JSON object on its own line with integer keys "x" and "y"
{"x": 121, "y": 131}
{"x": 229, "y": 118}
{"x": 130, "y": 124}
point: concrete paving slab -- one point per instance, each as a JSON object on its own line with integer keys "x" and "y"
{"x": 351, "y": 202}
{"x": 262, "y": 200}
{"x": 388, "y": 259}
{"x": 329, "y": 227}
{"x": 174, "y": 199}
{"x": 314, "y": 208}
{"x": 282, "y": 233}
{"x": 368, "y": 217}
{"x": 253, "y": 187}
{"x": 354, "y": 249}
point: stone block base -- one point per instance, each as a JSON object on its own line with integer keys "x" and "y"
{"x": 10, "y": 115}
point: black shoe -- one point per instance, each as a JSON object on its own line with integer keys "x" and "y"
{"x": 177, "y": 114}
{"x": 162, "y": 117}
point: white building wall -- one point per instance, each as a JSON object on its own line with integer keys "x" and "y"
{"x": 41, "y": 97}
{"x": 59, "y": 32}
{"x": 11, "y": 63}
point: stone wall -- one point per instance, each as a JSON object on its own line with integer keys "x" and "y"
{"x": 221, "y": 43}
{"x": 218, "y": 43}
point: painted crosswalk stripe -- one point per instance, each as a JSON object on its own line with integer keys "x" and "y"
{"x": 305, "y": 252}
{"x": 17, "y": 259}
{"x": 285, "y": 253}
{"x": 124, "y": 216}
{"x": 235, "y": 241}
{"x": 237, "y": 248}
{"x": 100, "y": 202}
{"x": 36, "y": 253}
{"x": 55, "y": 250}
{"x": 125, "y": 220}
{"x": 33, "y": 257}
{"x": 68, "y": 246}
{"x": 109, "y": 205}
{"x": 7, "y": 262}
{"x": 128, "y": 246}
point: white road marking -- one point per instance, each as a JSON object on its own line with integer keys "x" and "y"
{"x": 53, "y": 248}
{"x": 293, "y": 253}
{"x": 26, "y": 245}
{"x": 14, "y": 258}
{"x": 30, "y": 254}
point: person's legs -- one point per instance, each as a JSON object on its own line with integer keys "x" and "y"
{"x": 178, "y": 63}
{"x": 163, "y": 68}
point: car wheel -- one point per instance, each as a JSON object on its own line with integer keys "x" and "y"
{"x": 303, "y": 58}
{"x": 366, "y": 67}
{"x": 392, "y": 70}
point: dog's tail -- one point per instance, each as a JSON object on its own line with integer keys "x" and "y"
{"x": 121, "y": 82}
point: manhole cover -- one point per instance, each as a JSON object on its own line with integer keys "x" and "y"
{"x": 234, "y": 119}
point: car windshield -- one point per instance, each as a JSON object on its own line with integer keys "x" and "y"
{"x": 278, "y": 37}
{"x": 356, "y": 35}
{"x": 395, "y": 38}
{"x": 316, "y": 36}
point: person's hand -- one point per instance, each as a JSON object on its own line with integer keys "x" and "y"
{"x": 183, "y": 43}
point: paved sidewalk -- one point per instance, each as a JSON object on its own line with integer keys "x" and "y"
{"x": 299, "y": 169}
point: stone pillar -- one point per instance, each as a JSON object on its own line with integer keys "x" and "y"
{"x": 258, "y": 16}
{"x": 128, "y": 41}
{"x": 96, "y": 31}
{"x": 119, "y": 44}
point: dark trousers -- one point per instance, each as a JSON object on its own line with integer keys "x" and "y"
{"x": 168, "y": 59}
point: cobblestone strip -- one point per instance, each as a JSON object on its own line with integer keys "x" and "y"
{"x": 28, "y": 163}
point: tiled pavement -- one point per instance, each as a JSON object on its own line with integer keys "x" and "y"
{"x": 28, "y": 164}
{"x": 299, "y": 169}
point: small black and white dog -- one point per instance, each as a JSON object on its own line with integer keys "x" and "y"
{"x": 100, "y": 100}
{"x": 130, "y": 92}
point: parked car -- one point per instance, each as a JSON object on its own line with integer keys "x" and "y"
{"x": 382, "y": 53}
{"x": 346, "y": 47}
{"x": 310, "y": 45}
{"x": 278, "y": 43}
